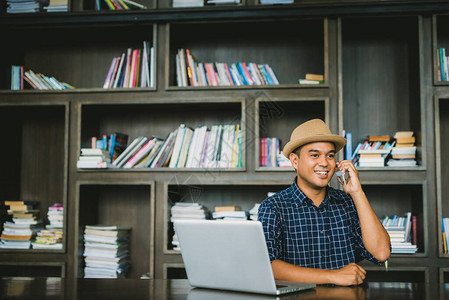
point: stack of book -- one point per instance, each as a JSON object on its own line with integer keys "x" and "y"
{"x": 403, "y": 153}
{"x": 57, "y": 6}
{"x": 106, "y": 252}
{"x": 254, "y": 212}
{"x": 229, "y": 213}
{"x": 55, "y": 216}
{"x": 312, "y": 79}
{"x": 187, "y": 3}
{"x": 374, "y": 151}
{"x": 23, "y": 6}
{"x": 94, "y": 158}
{"x": 269, "y": 150}
{"x": 115, "y": 143}
{"x": 402, "y": 232}
{"x": 51, "y": 237}
{"x": 185, "y": 211}
{"x": 40, "y": 81}
{"x": 132, "y": 69}
{"x": 17, "y": 234}
{"x": 192, "y": 73}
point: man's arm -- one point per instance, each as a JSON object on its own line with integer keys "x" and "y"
{"x": 351, "y": 274}
{"x": 375, "y": 238}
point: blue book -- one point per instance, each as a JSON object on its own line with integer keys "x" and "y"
{"x": 442, "y": 68}
{"x": 348, "y": 153}
{"x": 242, "y": 73}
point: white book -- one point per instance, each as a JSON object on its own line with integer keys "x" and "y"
{"x": 109, "y": 75}
{"x": 192, "y": 148}
{"x": 183, "y": 67}
{"x": 125, "y": 152}
{"x": 227, "y": 146}
{"x": 185, "y": 148}
{"x": 177, "y": 147}
{"x": 199, "y": 147}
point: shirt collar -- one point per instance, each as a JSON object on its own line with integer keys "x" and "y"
{"x": 300, "y": 198}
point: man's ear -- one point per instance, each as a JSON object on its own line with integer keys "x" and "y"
{"x": 294, "y": 160}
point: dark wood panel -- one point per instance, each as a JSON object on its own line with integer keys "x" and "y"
{"x": 380, "y": 76}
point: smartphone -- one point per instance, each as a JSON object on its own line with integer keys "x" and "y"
{"x": 343, "y": 177}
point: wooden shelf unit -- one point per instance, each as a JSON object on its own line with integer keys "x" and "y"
{"x": 380, "y": 77}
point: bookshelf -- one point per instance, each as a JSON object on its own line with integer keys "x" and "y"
{"x": 378, "y": 61}
{"x": 376, "y": 48}
{"x": 121, "y": 204}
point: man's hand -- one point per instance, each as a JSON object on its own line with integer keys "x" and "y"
{"x": 351, "y": 274}
{"x": 353, "y": 184}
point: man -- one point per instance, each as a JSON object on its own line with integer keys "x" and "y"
{"x": 315, "y": 233}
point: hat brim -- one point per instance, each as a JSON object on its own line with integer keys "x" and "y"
{"x": 338, "y": 141}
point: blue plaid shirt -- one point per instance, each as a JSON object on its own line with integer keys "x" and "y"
{"x": 324, "y": 237}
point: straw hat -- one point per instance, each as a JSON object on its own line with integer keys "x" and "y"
{"x": 310, "y": 132}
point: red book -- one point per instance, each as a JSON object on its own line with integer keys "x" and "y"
{"x": 248, "y": 76}
{"x": 263, "y": 152}
{"x": 228, "y": 74}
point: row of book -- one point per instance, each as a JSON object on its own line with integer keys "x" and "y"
{"x": 219, "y": 147}
{"x": 132, "y": 69}
{"x": 106, "y": 251}
{"x": 270, "y": 154}
{"x": 403, "y": 233}
{"x": 192, "y": 73}
{"x": 37, "y": 81}
{"x": 118, "y": 5}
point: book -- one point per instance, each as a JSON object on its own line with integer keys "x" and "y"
{"x": 129, "y": 151}
{"x": 316, "y": 77}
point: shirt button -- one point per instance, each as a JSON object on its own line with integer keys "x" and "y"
{"x": 321, "y": 231}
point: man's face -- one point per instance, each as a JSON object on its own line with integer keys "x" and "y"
{"x": 315, "y": 165}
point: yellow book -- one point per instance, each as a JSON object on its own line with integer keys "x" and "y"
{"x": 227, "y": 208}
{"x": 444, "y": 243}
{"x": 109, "y": 3}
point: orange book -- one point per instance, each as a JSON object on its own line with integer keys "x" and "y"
{"x": 405, "y": 140}
{"x": 379, "y": 138}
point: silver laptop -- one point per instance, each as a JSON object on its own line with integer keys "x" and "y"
{"x": 229, "y": 255}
